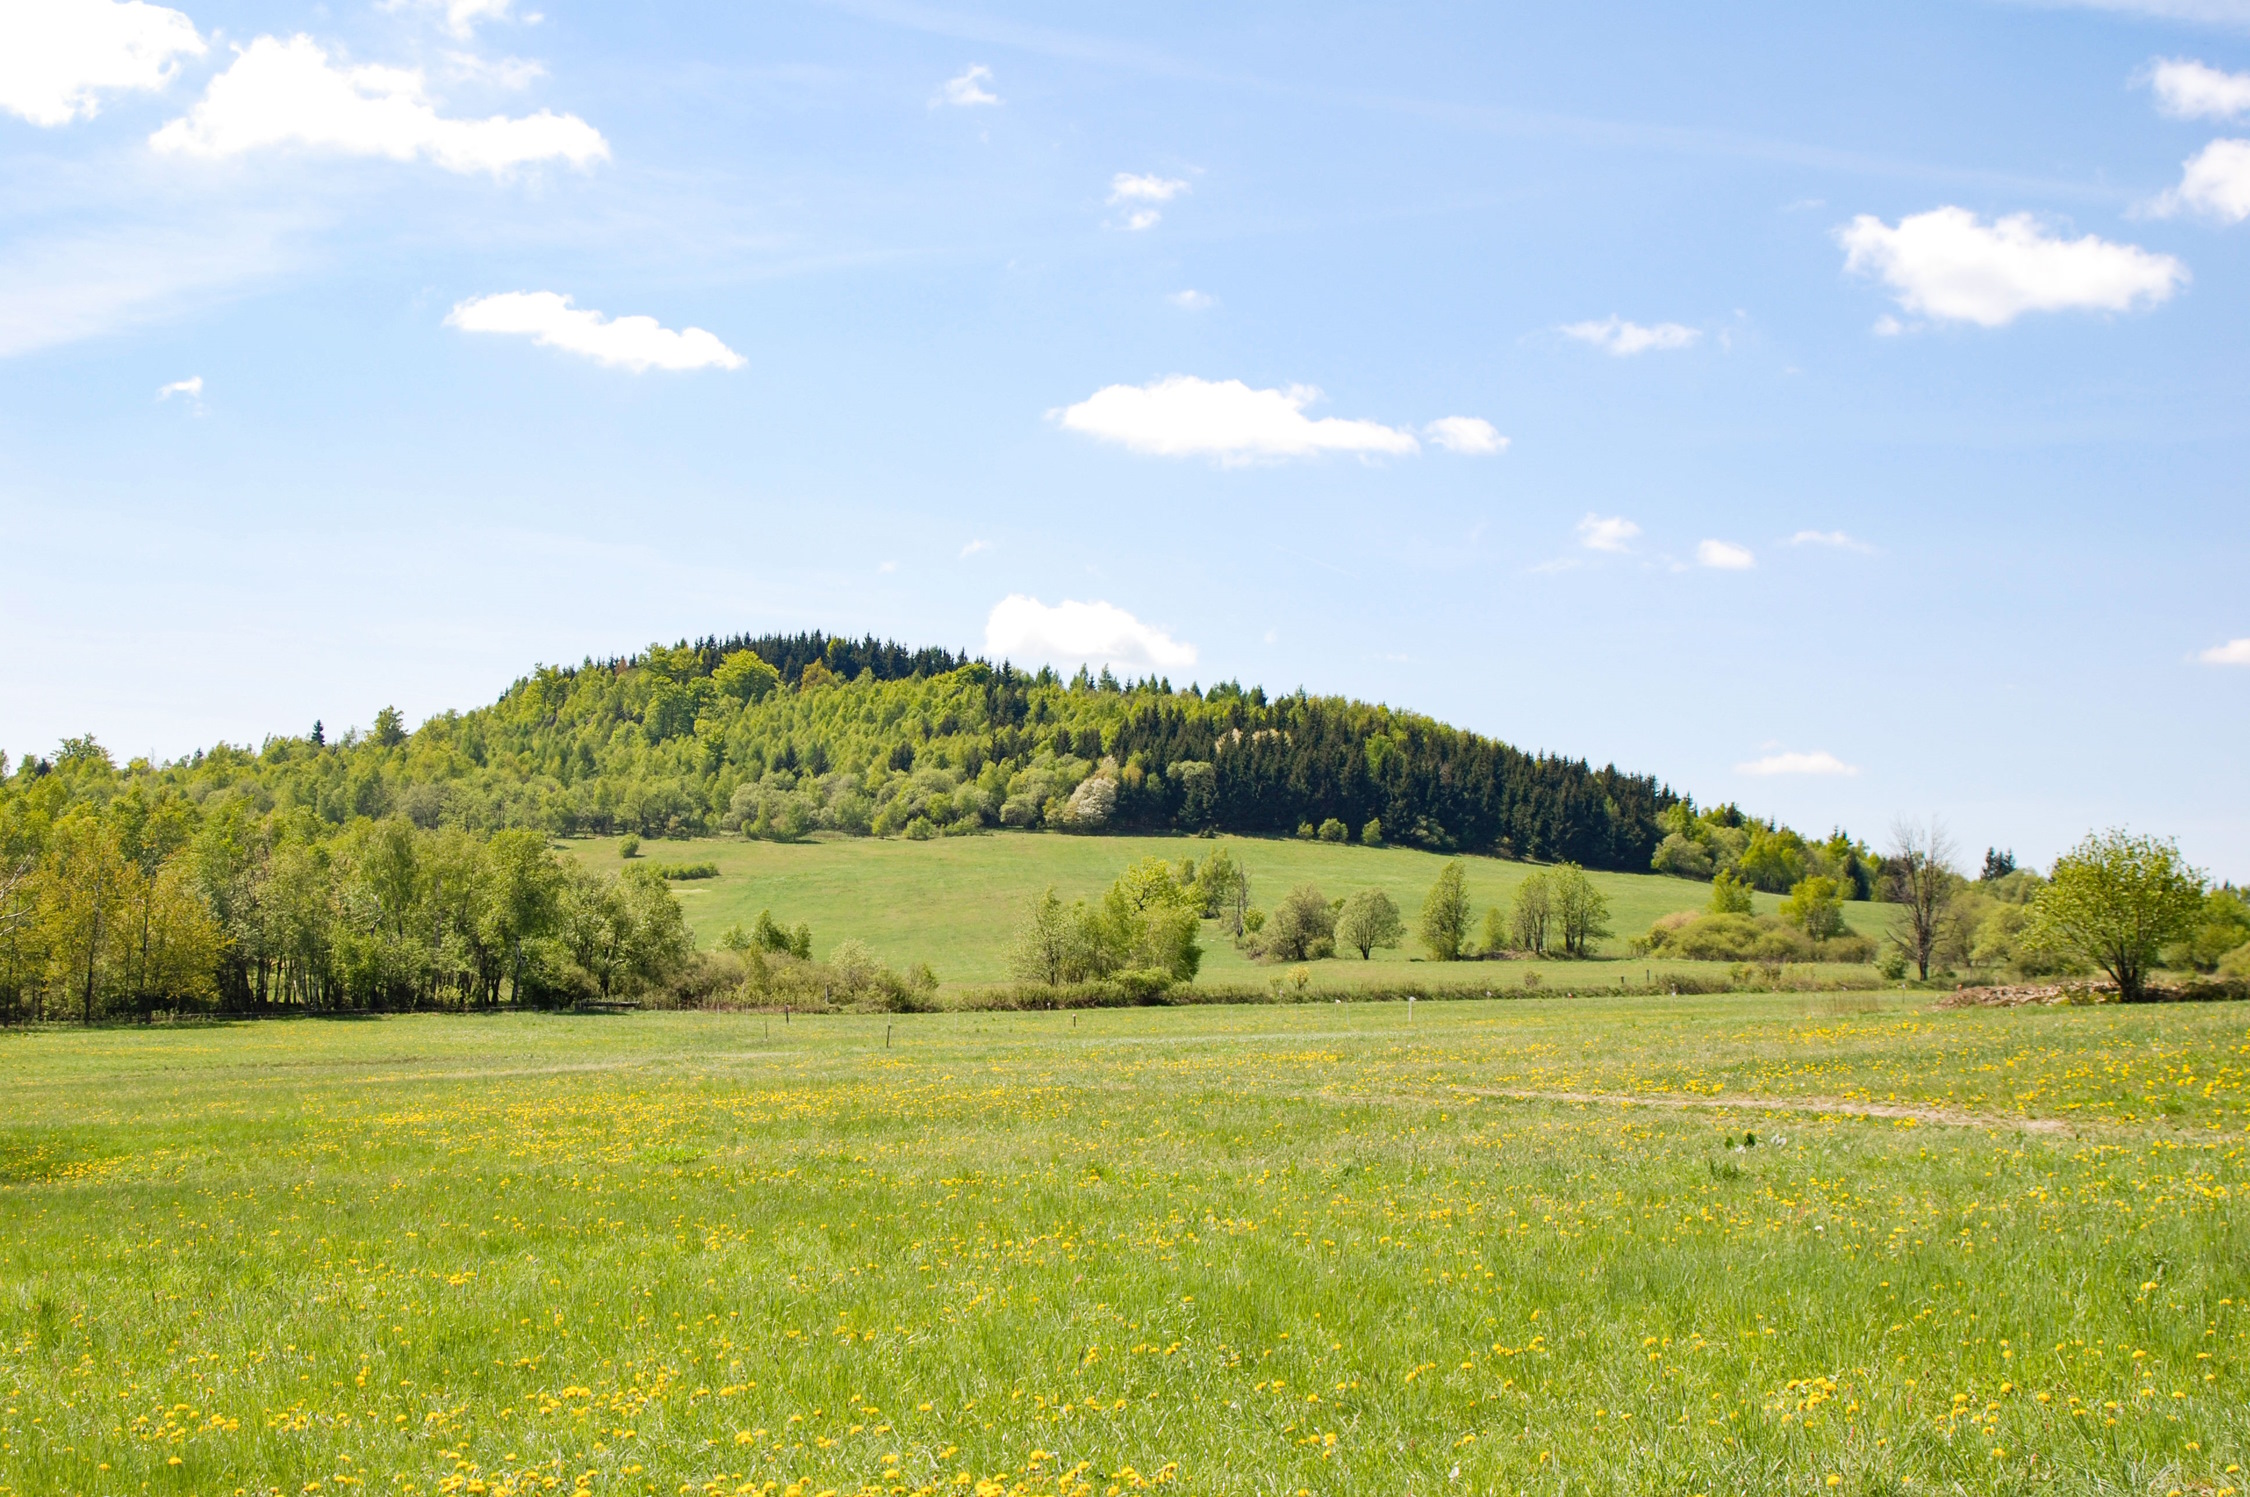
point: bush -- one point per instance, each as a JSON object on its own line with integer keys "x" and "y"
{"x": 683, "y": 872}
{"x": 1764, "y": 939}
{"x": 629, "y": 846}
{"x": 1333, "y": 830}
{"x": 1371, "y": 835}
{"x": 1302, "y": 927}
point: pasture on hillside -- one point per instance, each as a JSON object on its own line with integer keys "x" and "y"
{"x": 955, "y": 902}
{"x": 1839, "y": 1244}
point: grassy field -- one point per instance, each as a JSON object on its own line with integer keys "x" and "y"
{"x": 1304, "y": 1250}
{"x": 955, "y": 902}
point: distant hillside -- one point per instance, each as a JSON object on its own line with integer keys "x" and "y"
{"x": 781, "y": 736}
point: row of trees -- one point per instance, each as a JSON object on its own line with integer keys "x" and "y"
{"x": 2122, "y": 904}
{"x": 141, "y": 904}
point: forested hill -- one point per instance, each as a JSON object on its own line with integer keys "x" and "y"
{"x": 781, "y": 736}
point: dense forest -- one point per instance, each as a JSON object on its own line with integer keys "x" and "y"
{"x": 391, "y": 867}
{"x": 782, "y": 736}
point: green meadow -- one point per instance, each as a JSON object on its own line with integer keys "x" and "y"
{"x": 955, "y": 902}
{"x": 1734, "y": 1244}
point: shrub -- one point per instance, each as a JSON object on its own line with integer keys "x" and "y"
{"x": 1369, "y": 919}
{"x": 1303, "y": 927}
{"x": 1729, "y": 895}
{"x": 629, "y": 846}
{"x": 1371, "y": 835}
{"x": 683, "y": 872}
{"x": 1333, "y": 830}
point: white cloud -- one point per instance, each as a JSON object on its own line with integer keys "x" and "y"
{"x": 58, "y": 56}
{"x": 973, "y": 548}
{"x": 284, "y": 93}
{"x": 462, "y": 16}
{"x": 2191, "y": 90}
{"x": 1024, "y": 629}
{"x": 2216, "y": 181}
{"x": 1613, "y": 533}
{"x": 1945, "y": 264}
{"x": 1466, "y": 435}
{"x": 1192, "y": 301}
{"x": 1128, "y": 188}
{"x": 1820, "y": 761}
{"x": 1836, "y": 538}
{"x": 635, "y": 343}
{"x": 2233, "y": 652}
{"x": 1622, "y": 339}
{"x": 1182, "y": 416}
{"x": 191, "y": 387}
{"x": 968, "y": 90}
{"x": 1724, "y": 556}
{"x": 499, "y": 72}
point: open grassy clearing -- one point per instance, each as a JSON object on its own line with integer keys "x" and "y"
{"x": 1248, "y": 1250}
{"x": 955, "y": 902}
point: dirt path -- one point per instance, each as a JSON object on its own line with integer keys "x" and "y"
{"x": 1943, "y": 1116}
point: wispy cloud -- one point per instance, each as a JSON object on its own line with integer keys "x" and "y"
{"x": 635, "y": 343}
{"x": 1127, "y": 189}
{"x": 1466, "y": 435}
{"x": 1948, "y": 265}
{"x": 967, "y": 91}
{"x": 1192, "y": 301}
{"x": 1836, "y": 539}
{"x": 1621, "y": 339}
{"x": 1818, "y": 762}
{"x": 2233, "y": 652}
{"x": 1724, "y": 556}
{"x": 62, "y": 290}
{"x": 974, "y": 548}
{"x": 1607, "y": 533}
{"x": 191, "y": 388}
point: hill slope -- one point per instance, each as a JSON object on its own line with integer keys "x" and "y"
{"x": 782, "y": 736}
{"x": 956, "y": 904}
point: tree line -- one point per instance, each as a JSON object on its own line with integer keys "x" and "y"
{"x": 781, "y": 736}
{"x": 144, "y": 900}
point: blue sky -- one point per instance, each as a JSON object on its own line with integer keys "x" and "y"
{"x": 1841, "y": 412}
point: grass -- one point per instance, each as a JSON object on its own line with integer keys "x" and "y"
{"x": 955, "y": 902}
{"x": 1303, "y": 1250}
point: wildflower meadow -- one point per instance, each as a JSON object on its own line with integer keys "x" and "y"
{"x": 1768, "y": 1243}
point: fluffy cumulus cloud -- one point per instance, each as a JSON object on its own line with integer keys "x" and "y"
{"x": 1138, "y": 193}
{"x": 1724, "y": 556}
{"x": 57, "y": 57}
{"x": 1621, "y": 339}
{"x": 1027, "y": 631}
{"x": 1466, "y": 435}
{"x": 1607, "y": 533}
{"x": 635, "y": 343}
{"x": 191, "y": 387}
{"x": 968, "y": 90}
{"x": 2193, "y": 91}
{"x": 1182, "y": 416}
{"x": 2216, "y": 182}
{"x": 1948, "y": 265}
{"x": 289, "y": 93}
{"x": 2233, "y": 652}
{"x": 1820, "y": 761}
